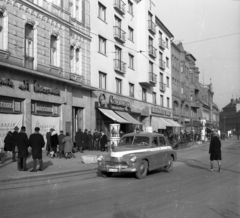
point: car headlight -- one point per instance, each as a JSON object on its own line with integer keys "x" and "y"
{"x": 133, "y": 158}
{"x": 99, "y": 157}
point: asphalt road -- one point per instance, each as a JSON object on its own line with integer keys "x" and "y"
{"x": 189, "y": 191}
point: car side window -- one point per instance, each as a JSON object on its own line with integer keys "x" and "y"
{"x": 162, "y": 141}
{"x": 154, "y": 142}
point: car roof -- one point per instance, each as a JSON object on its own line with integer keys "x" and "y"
{"x": 143, "y": 134}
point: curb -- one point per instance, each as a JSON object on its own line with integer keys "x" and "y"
{"x": 26, "y": 177}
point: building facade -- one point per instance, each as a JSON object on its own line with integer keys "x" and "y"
{"x": 131, "y": 64}
{"x": 45, "y": 76}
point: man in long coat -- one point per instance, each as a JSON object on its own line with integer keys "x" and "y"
{"x": 48, "y": 137}
{"x": 14, "y": 143}
{"x": 22, "y": 145}
{"x": 215, "y": 151}
{"x": 61, "y": 136}
{"x": 79, "y": 140}
{"x": 36, "y": 142}
{"x": 85, "y": 139}
{"x": 103, "y": 141}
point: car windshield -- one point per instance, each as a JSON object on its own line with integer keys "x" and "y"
{"x": 134, "y": 141}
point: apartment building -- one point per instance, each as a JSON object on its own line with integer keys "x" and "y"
{"x": 45, "y": 74}
{"x": 131, "y": 59}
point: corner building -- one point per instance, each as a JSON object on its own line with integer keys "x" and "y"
{"x": 131, "y": 59}
{"x": 45, "y": 74}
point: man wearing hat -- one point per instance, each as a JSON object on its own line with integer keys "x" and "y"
{"x": 14, "y": 143}
{"x": 85, "y": 139}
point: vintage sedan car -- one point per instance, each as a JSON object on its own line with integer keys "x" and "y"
{"x": 138, "y": 153}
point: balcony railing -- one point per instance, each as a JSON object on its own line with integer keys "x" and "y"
{"x": 152, "y": 26}
{"x": 162, "y": 86}
{"x": 119, "y": 66}
{"x": 152, "y": 51}
{"x": 152, "y": 77}
{"x": 119, "y": 5}
{"x": 161, "y": 43}
{"x": 162, "y": 64}
{"x": 119, "y": 34}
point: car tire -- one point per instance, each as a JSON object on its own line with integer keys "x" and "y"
{"x": 169, "y": 167}
{"x": 106, "y": 174}
{"x": 143, "y": 169}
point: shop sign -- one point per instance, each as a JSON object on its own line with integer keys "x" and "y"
{"x": 44, "y": 109}
{"x": 10, "y": 105}
{"x": 158, "y": 110}
{"x": 6, "y": 82}
{"x": 41, "y": 89}
{"x": 187, "y": 120}
{"x": 118, "y": 102}
{"x": 24, "y": 86}
{"x": 102, "y": 100}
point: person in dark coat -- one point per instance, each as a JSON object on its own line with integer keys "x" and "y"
{"x": 54, "y": 144}
{"x": 90, "y": 140}
{"x": 103, "y": 141}
{"x": 61, "y": 144}
{"x": 96, "y": 137}
{"x": 8, "y": 142}
{"x": 14, "y": 143}
{"x": 85, "y": 139}
{"x": 48, "y": 137}
{"x": 79, "y": 140}
{"x": 215, "y": 151}
{"x": 67, "y": 140}
{"x": 22, "y": 145}
{"x": 36, "y": 142}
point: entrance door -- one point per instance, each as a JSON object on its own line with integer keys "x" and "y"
{"x": 77, "y": 120}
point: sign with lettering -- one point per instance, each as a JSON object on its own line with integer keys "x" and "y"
{"x": 44, "y": 108}
{"x": 41, "y": 89}
{"x": 162, "y": 111}
{"x": 24, "y": 86}
{"x": 10, "y": 105}
{"x": 6, "y": 82}
{"x": 118, "y": 102}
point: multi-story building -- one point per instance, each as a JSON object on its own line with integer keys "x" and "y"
{"x": 45, "y": 77}
{"x": 131, "y": 61}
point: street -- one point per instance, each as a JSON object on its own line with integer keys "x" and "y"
{"x": 189, "y": 191}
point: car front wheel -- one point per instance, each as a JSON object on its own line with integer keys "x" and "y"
{"x": 106, "y": 174}
{"x": 143, "y": 169}
{"x": 169, "y": 167}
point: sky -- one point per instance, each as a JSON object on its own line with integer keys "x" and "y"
{"x": 210, "y": 31}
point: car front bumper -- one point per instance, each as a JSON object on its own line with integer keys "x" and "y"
{"x": 116, "y": 168}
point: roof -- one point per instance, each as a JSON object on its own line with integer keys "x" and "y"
{"x": 163, "y": 27}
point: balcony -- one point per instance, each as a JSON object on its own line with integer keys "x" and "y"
{"x": 195, "y": 104}
{"x": 162, "y": 86}
{"x": 161, "y": 44}
{"x": 119, "y": 6}
{"x": 119, "y": 66}
{"x": 152, "y": 51}
{"x": 162, "y": 64}
{"x": 152, "y": 77}
{"x": 119, "y": 34}
{"x": 151, "y": 27}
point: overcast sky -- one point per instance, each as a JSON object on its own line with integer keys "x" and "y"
{"x": 218, "y": 58}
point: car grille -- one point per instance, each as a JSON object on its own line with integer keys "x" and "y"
{"x": 116, "y": 164}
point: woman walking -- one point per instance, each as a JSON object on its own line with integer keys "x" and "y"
{"x": 68, "y": 145}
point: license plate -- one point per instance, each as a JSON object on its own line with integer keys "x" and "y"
{"x": 113, "y": 170}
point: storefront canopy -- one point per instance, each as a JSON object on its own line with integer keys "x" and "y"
{"x": 173, "y": 123}
{"x": 128, "y": 117}
{"x": 157, "y": 123}
{"x": 113, "y": 116}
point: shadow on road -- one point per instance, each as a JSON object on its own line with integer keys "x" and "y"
{"x": 225, "y": 213}
{"x": 45, "y": 164}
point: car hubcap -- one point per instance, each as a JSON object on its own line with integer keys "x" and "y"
{"x": 142, "y": 168}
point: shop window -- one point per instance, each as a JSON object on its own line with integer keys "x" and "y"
{"x": 44, "y": 108}
{"x": 29, "y": 46}
{"x": 144, "y": 94}
{"x": 9, "y": 105}
{"x": 102, "y": 80}
{"x": 101, "y": 12}
{"x": 118, "y": 86}
{"x": 53, "y": 50}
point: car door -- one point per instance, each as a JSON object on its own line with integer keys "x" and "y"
{"x": 157, "y": 156}
{"x": 164, "y": 152}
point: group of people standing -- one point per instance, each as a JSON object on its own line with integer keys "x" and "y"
{"x": 87, "y": 141}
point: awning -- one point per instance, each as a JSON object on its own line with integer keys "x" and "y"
{"x": 173, "y": 123}
{"x": 113, "y": 116}
{"x": 156, "y": 123}
{"x": 128, "y": 117}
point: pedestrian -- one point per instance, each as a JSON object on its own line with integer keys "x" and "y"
{"x": 54, "y": 144}
{"x": 8, "y": 146}
{"x": 61, "y": 144}
{"x": 215, "y": 151}
{"x": 68, "y": 145}
{"x": 90, "y": 140}
{"x": 96, "y": 137}
{"x": 48, "y": 137}
{"x": 79, "y": 140}
{"x": 22, "y": 145}
{"x": 14, "y": 143}
{"x": 103, "y": 141}
{"x": 85, "y": 139}
{"x": 36, "y": 142}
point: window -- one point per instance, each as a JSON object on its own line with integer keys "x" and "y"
{"x": 130, "y": 7}
{"x": 1, "y": 31}
{"x": 77, "y": 61}
{"x": 154, "y": 98}
{"x": 168, "y": 102}
{"x": 118, "y": 53}
{"x": 144, "y": 94}
{"x": 131, "y": 61}
{"x": 131, "y": 90}
{"x": 162, "y": 141}
{"x": 161, "y": 77}
{"x": 161, "y": 100}
{"x": 102, "y": 45}
{"x": 168, "y": 85}
{"x": 150, "y": 16}
{"x": 150, "y": 67}
{"x": 53, "y": 50}
{"x": 72, "y": 59}
{"x": 75, "y": 9}
{"x": 167, "y": 62}
{"x": 102, "y": 80}
{"x": 29, "y": 46}
{"x": 130, "y": 33}
{"x": 118, "y": 86}
{"x": 101, "y": 12}
{"x": 166, "y": 42}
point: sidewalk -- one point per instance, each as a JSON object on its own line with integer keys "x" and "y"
{"x": 51, "y": 166}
